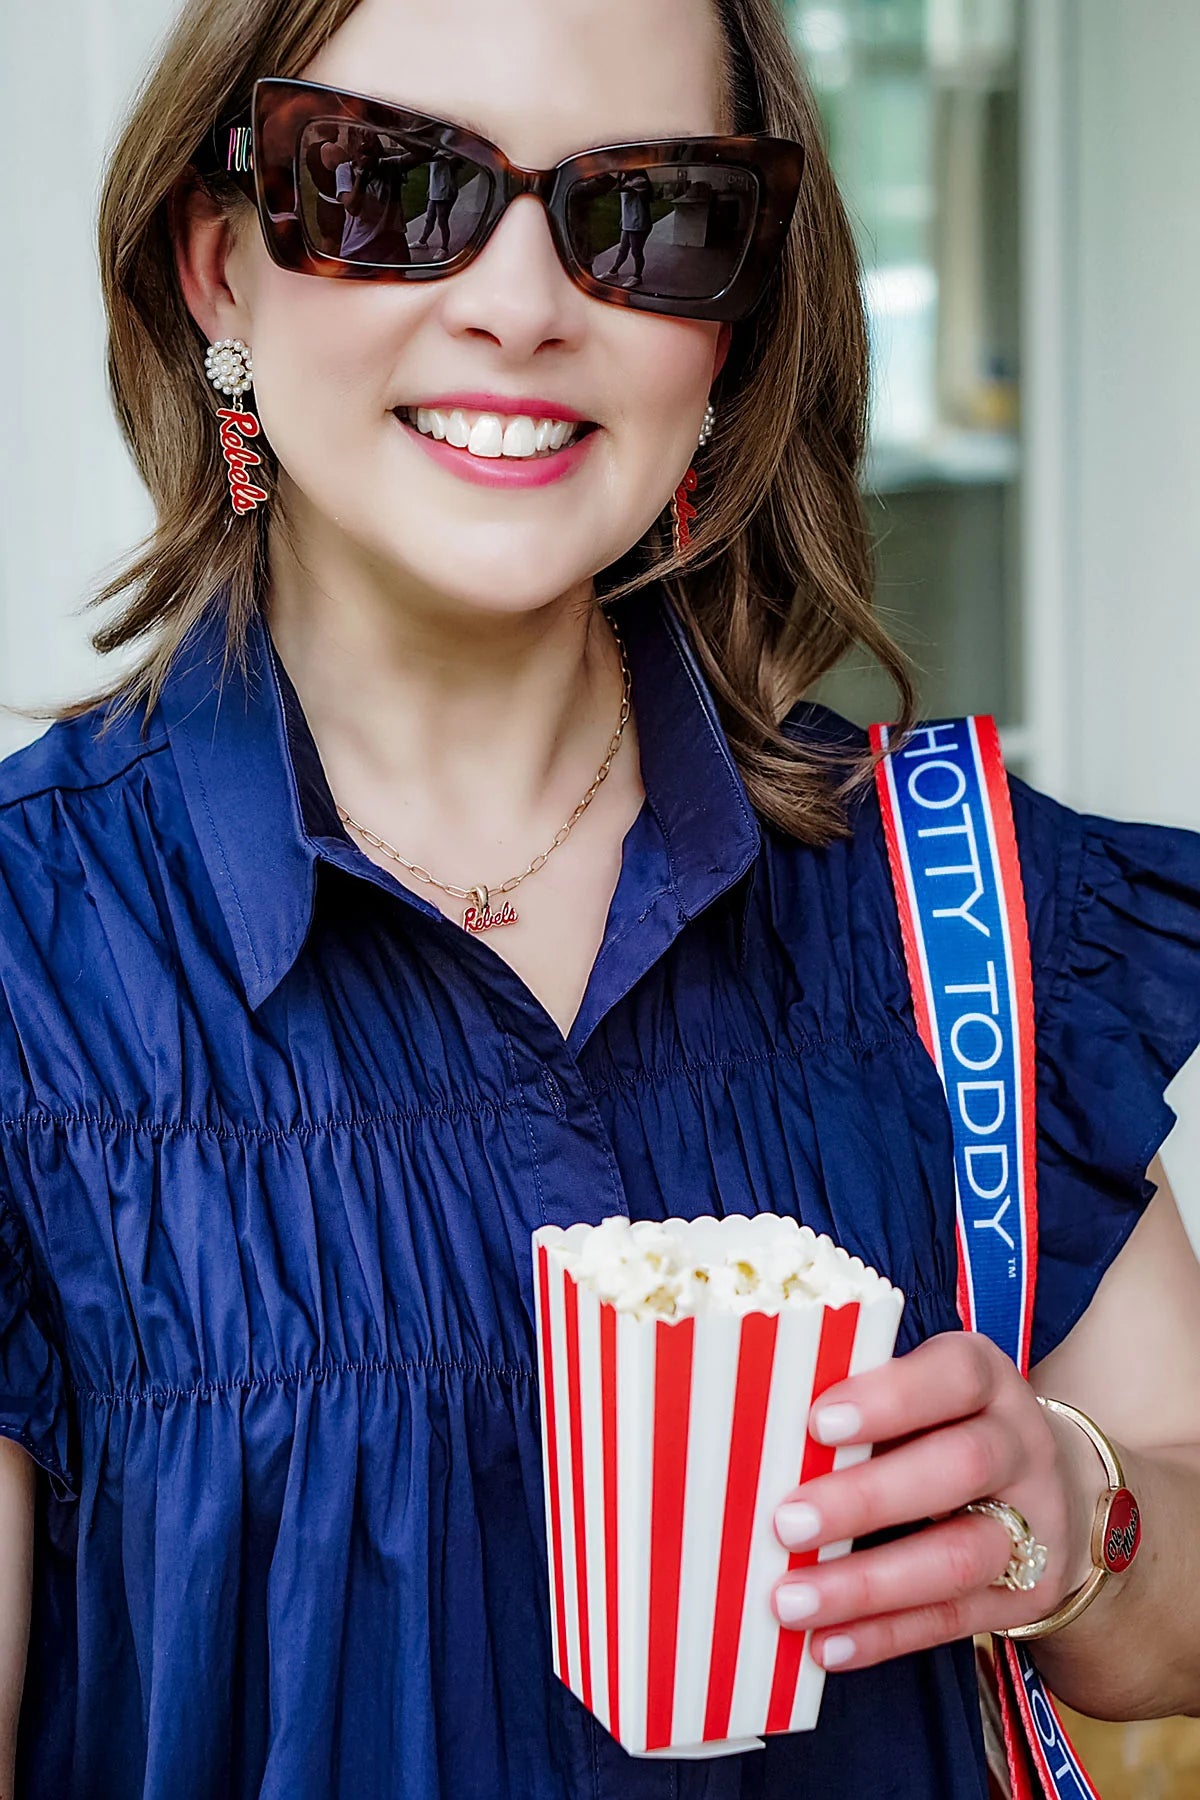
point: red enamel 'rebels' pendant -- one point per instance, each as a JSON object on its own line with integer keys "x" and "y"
{"x": 683, "y": 512}
{"x": 236, "y": 426}
{"x": 228, "y": 366}
{"x": 481, "y": 916}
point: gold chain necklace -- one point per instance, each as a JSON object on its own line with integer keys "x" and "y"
{"x": 480, "y": 915}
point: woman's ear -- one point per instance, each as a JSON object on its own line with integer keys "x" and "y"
{"x": 203, "y": 236}
{"x": 724, "y": 339}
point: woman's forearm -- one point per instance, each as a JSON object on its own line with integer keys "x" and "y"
{"x": 16, "y": 1577}
{"x": 1135, "y": 1652}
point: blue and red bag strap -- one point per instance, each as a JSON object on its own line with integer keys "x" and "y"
{"x": 948, "y": 823}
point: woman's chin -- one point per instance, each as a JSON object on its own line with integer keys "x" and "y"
{"x": 520, "y": 574}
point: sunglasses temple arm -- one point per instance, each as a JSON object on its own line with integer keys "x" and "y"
{"x": 230, "y": 152}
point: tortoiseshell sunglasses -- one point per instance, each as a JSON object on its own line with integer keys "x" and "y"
{"x": 360, "y": 189}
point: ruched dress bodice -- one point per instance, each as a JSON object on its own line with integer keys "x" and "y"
{"x": 276, "y": 1135}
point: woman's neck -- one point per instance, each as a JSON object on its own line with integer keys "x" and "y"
{"x": 448, "y": 724}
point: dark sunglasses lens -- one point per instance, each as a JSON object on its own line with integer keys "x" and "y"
{"x": 387, "y": 198}
{"x": 671, "y": 231}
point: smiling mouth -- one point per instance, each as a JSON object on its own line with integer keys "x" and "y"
{"x": 519, "y": 437}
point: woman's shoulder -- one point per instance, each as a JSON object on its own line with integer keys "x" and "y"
{"x": 72, "y": 756}
{"x": 1113, "y": 905}
{"x": 69, "y": 808}
{"x": 811, "y": 721}
{"x": 1066, "y": 854}
{"x": 1113, "y": 909}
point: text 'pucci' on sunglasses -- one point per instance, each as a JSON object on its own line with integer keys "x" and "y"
{"x": 358, "y": 188}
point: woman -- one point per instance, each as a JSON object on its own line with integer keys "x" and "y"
{"x": 278, "y": 1128}
{"x": 322, "y": 157}
{"x": 442, "y": 194}
{"x": 636, "y": 193}
{"x": 370, "y": 185}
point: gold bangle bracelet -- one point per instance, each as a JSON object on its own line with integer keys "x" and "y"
{"x": 1070, "y": 1610}
{"x": 1116, "y": 1530}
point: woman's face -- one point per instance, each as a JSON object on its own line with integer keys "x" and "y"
{"x": 333, "y": 360}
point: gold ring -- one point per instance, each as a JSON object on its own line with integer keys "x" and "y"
{"x": 1027, "y": 1563}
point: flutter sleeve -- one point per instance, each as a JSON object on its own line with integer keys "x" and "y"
{"x": 33, "y": 1397}
{"x": 1114, "y": 915}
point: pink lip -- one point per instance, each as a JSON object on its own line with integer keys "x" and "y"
{"x": 511, "y": 405}
{"x": 502, "y": 471}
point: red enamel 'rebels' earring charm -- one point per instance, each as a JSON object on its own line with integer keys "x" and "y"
{"x": 229, "y": 367}
{"x": 682, "y": 510}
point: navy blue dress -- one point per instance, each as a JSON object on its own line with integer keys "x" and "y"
{"x": 275, "y": 1136}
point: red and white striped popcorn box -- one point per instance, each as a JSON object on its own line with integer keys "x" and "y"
{"x": 667, "y": 1445}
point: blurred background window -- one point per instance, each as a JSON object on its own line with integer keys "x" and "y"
{"x": 920, "y": 103}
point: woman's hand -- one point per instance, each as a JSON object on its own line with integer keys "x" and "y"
{"x": 953, "y": 1422}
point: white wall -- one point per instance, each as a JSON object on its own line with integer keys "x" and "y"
{"x": 1114, "y": 470}
{"x": 1138, "y": 286}
{"x": 70, "y": 501}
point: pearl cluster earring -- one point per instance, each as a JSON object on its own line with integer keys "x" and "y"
{"x": 230, "y": 367}
{"x": 682, "y": 509}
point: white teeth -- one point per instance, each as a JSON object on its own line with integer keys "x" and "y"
{"x": 520, "y": 437}
{"x": 487, "y": 436}
{"x": 492, "y": 434}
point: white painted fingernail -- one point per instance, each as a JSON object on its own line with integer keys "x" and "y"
{"x": 797, "y": 1601}
{"x": 836, "y": 1651}
{"x": 797, "y": 1524}
{"x": 836, "y": 1424}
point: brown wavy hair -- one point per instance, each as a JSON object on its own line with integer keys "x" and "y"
{"x": 778, "y": 582}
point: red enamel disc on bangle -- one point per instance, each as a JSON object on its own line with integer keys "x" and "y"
{"x": 1122, "y": 1532}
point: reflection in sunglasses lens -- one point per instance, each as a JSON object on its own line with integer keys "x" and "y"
{"x": 671, "y": 231}
{"x": 394, "y": 198}
{"x": 387, "y": 197}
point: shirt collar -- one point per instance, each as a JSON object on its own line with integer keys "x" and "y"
{"x": 264, "y": 816}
